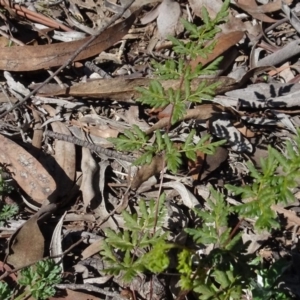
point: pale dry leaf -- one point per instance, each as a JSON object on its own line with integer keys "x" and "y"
{"x": 258, "y": 12}
{"x": 213, "y": 162}
{"x": 89, "y": 168}
{"x": 169, "y": 14}
{"x": 15, "y": 87}
{"x": 82, "y": 270}
{"x": 291, "y": 216}
{"x": 56, "y": 242}
{"x": 293, "y": 18}
{"x": 150, "y": 16}
{"x": 98, "y": 280}
{"x": 27, "y": 171}
{"x": 132, "y": 118}
{"x": 254, "y": 240}
{"x": 223, "y": 129}
{"x": 95, "y": 125}
{"x": 212, "y": 6}
{"x": 92, "y": 249}
{"x": 100, "y": 211}
{"x": 65, "y": 157}
{"x": 188, "y": 199}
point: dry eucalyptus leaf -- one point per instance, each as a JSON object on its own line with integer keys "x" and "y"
{"x": 212, "y": 162}
{"x": 212, "y": 6}
{"x": 56, "y": 242}
{"x": 169, "y": 14}
{"x": 30, "y": 175}
{"x": 258, "y": 11}
{"x": 65, "y": 157}
{"x": 27, "y": 244}
{"x": 223, "y": 43}
{"x": 125, "y": 89}
{"x": 188, "y": 199}
{"x": 53, "y": 55}
{"x": 92, "y": 249}
{"x": 89, "y": 168}
{"x": 223, "y": 129}
{"x": 147, "y": 170}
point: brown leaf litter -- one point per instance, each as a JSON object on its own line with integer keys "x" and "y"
{"x": 53, "y": 141}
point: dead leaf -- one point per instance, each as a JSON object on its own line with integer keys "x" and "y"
{"x": 291, "y": 216}
{"x": 188, "y": 199}
{"x": 168, "y": 17}
{"x": 258, "y": 11}
{"x": 196, "y": 166}
{"x": 89, "y": 168}
{"x": 6, "y": 268}
{"x": 92, "y": 249}
{"x": 56, "y": 242}
{"x": 148, "y": 170}
{"x": 46, "y": 56}
{"x": 202, "y": 112}
{"x": 213, "y": 162}
{"x": 27, "y": 244}
{"x": 30, "y": 175}
{"x": 265, "y": 8}
{"x": 65, "y": 157}
{"x": 71, "y": 295}
{"x": 213, "y": 7}
{"x": 244, "y": 130}
{"x": 224, "y": 42}
{"x": 222, "y": 127}
{"x": 124, "y": 89}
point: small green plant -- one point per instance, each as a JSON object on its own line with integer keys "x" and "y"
{"x": 273, "y": 184}
{"x": 37, "y": 281}
{"x": 6, "y": 211}
{"x": 157, "y": 96}
{"x": 138, "y": 248}
{"x": 226, "y": 272}
{"x": 5, "y": 292}
{"x": 266, "y": 286}
{"x": 136, "y": 139}
{"x": 221, "y": 273}
{"x": 4, "y": 187}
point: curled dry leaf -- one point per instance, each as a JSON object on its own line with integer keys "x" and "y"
{"x": 45, "y": 56}
{"x": 56, "y": 242}
{"x": 30, "y": 175}
{"x": 65, "y": 156}
{"x": 188, "y": 199}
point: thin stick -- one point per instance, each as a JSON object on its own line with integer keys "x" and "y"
{"x": 91, "y": 288}
{"x": 84, "y": 46}
{"x": 93, "y": 147}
